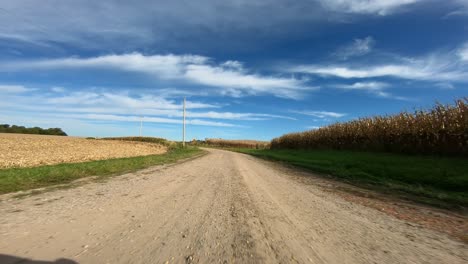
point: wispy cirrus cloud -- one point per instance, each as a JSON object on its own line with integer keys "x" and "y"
{"x": 358, "y": 47}
{"x": 230, "y": 77}
{"x": 164, "y": 66}
{"x": 375, "y": 88}
{"x": 11, "y": 89}
{"x": 445, "y": 85}
{"x": 121, "y": 99}
{"x": 368, "y": 86}
{"x": 461, "y": 9}
{"x": 399, "y": 71}
{"x": 103, "y": 24}
{"x": 319, "y": 114}
{"x": 236, "y": 116}
{"x": 57, "y": 89}
{"x": 238, "y": 83}
{"x": 121, "y": 107}
{"x": 146, "y": 119}
{"x": 378, "y": 7}
{"x": 448, "y": 66}
{"x": 463, "y": 51}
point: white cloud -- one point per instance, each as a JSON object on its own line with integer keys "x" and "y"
{"x": 120, "y": 107}
{"x": 439, "y": 66}
{"x": 461, "y": 9}
{"x": 371, "y": 86}
{"x": 124, "y": 25}
{"x": 379, "y": 7}
{"x": 463, "y": 52}
{"x": 434, "y": 67}
{"x": 376, "y": 88}
{"x": 391, "y": 96}
{"x": 14, "y": 89}
{"x": 179, "y": 93}
{"x": 76, "y": 98}
{"x": 106, "y": 117}
{"x": 164, "y": 66}
{"x": 236, "y": 116}
{"x": 106, "y": 101}
{"x": 229, "y": 77}
{"x": 149, "y": 102}
{"x": 445, "y": 86}
{"x": 359, "y": 47}
{"x": 320, "y": 114}
{"x": 232, "y": 64}
{"x": 429, "y": 72}
{"x": 238, "y": 83}
{"x": 57, "y": 89}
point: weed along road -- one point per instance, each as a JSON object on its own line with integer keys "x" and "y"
{"x": 223, "y": 207}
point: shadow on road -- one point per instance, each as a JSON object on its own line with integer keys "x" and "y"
{"x": 7, "y": 259}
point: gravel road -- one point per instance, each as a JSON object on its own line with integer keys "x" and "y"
{"x": 223, "y": 207}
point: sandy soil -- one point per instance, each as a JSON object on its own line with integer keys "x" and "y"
{"x": 221, "y": 208}
{"x": 20, "y": 150}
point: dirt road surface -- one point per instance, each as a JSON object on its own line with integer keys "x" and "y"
{"x": 223, "y": 207}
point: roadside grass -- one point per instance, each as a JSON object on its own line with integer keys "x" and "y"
{"x": 20, "y": 179}
{"x": 439, "y": 181}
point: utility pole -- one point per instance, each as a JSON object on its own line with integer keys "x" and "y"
{"x": 141, "y": 124}
{"x": 183, "y": 130}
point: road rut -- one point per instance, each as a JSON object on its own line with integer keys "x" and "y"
{"x": 224, "y": 207}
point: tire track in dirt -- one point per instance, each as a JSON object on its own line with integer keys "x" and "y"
{"x": 223, "y": 207}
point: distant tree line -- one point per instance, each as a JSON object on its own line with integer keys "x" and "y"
{"x": 5, "y": 128}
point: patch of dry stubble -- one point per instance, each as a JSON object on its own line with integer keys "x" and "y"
{"x": 20, "y": 150}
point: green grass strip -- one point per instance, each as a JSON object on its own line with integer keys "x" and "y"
{"x": 18, "y": 179}
{"x": 435, "y": 180}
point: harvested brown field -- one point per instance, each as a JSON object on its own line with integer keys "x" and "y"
{"x": 20, "y": 150}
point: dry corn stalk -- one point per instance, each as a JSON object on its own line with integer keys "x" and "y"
{"x": 440, "y": 130}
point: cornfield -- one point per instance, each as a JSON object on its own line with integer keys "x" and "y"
{"x": 440, "y": 130}
{"x": 223, "y": 143}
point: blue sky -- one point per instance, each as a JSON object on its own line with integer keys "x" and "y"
{"x": 249, "y": 69}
